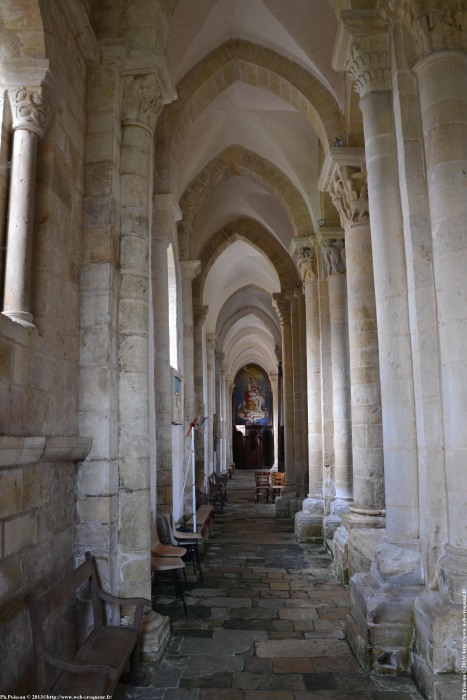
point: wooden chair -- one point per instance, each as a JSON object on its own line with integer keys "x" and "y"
{"x": 277, "y": 484}
{"x": 163, "y": 550}
{"x": 190, "y": 540}
{"x": 216, "y": 492}
{"x": 262, "y": 484}
{"x": 172, "y": 565}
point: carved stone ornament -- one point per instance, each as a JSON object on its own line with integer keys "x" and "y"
{"x": 142, "y": 100}
{"x": 31, "y": 109}
{"x": 334, "y": 257}
{"x": 349, "y": 194}
{"x": 433, "y": 24}
{"x": 369, "y": 64}
{"x": 282, "y": 306}
{"x": 305, "y": 259}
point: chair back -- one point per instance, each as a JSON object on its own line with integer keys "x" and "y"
{"x": 262, "y": 478}
{"x": 277, "y": 478}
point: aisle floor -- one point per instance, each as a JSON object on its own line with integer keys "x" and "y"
{"x": 266, "y": 623}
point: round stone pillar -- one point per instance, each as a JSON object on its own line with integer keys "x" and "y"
{"x": 30, "y": 117}
{"x": 190, "y": 268}
{"x": 442, "y": 81}
{"x": 282, "y": 306}
{"x": 275, "y": 412}
{"x": 295, "y": 297}
{"x": 201, "y": 460}
{"x": 369, "y": 68}
{"x": 163, "y": 223}
{"x": 337, "y": 284}
{"x": 141, "y": 103}
{"x": 308, "y": 522}
{"x": 211, "y": 341}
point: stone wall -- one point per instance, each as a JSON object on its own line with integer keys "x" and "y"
{"x": 39, "y": 365}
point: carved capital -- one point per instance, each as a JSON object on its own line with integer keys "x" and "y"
{"x": 369, "y": 64}
{"x": 362, "y": 50}
{"x": 433, "y": 24}
{"x": 334, "y": 257}
{"x": 142, "y": 100}
{"x": 344, "y": 176}
{"x": 305, "y": 259}
{"x": 211, "y": 343}
{"x": 349, "y": 193}
{"x": 199, "y": 314}
{"x": 190, "y": 269}
{"x": 31, "y": 109}
{"x": 282, "y": 307}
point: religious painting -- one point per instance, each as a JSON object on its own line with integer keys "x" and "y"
{"x": 252, "y": 397}
{"x": 177, "y": 398}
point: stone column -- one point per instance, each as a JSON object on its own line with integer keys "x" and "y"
{"x": 299, "y": 455}
{"x": 228, "y": 388}
{"x": 223, "y": 412}
{"x": 190, "y": 268}
{"x": 31, "y": 113}
{"x": 211, "y": 341}
{"x": 219, "y": 357}
{"x": 344, "y": 176}
{"x": 442, "y": 82}
{"x": 275, "y": 413}
{"x": 363, "y": 50}
{"x": 201, "y": 457}
{"x": 142, "y": 102}
{"x": 282, "y": 305}
{"x": 164, "y": 218}
{"x": 308, "y": 522}
{"x": 334, "y": 260}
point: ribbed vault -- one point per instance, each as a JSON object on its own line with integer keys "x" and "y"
{"x": 236, "y": 160}
{"x": 239, "y": 60}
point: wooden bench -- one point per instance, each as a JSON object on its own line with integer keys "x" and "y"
{"x": 98, "y": 663}
{"x": 204, "y": 522}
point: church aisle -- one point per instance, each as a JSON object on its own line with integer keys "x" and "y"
{"x": 265, "y": 624}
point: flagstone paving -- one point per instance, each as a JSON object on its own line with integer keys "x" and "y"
{"x": 266, "y": 623}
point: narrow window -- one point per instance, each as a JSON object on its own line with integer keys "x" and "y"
{"x": 172, "y": 285}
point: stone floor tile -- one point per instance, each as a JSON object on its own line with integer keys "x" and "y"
{"x": 301, "y": 665}
{"x": 269, "y": 695}
{"x": 265, "y": 623}
{"x": 302, "y": 647}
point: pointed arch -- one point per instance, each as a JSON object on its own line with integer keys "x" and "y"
{"x": 233, "y": 161}
{"x": 240, "y": 60}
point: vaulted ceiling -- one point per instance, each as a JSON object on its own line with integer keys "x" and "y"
{"x": 258, "y": 105}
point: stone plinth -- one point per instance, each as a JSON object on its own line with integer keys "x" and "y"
{"x": 155, "y": 635}
{"x": 380, "y": 627}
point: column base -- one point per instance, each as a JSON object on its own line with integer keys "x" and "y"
{"x": 285, "y": 508}
{"x": 380, "y": 625}
{"x": 354, "y": 554}
{"x": 339, "y": 507}
{"x": 155, "y": 635}
{"x": 22, "y": 317}
{"x": 309, "y": 521}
